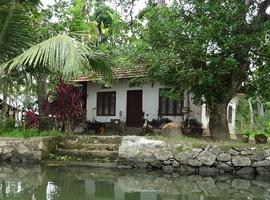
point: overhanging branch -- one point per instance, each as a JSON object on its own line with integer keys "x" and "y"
{"x": 262, "y": 10}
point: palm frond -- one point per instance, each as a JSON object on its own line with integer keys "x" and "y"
{"x": 62, "y": 54}
{"x": 15, "y": 28}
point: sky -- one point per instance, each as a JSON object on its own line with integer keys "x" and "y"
{"x": 47, "y": 2}
{"x": 139, "y": 5}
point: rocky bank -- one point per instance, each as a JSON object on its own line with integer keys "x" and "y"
{"x": 210, "y": 159}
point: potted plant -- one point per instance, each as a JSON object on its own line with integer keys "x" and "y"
{"x": 244, "y": 136}
{"x": 261, "y": 136}
{"x": 192, "y": 128}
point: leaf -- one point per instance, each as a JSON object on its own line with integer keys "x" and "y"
{"x": 62, "y": 54}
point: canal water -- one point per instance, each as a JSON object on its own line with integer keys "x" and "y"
{"x": 82, "y": 183}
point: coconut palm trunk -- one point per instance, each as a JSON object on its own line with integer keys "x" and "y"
{"x": 42, "y": 98}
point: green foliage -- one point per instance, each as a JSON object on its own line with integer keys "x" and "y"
{"x": 61, "y": 54}
{"x": 202, "y": 49}
{"x": 266, "y": 126}
{"x": 15, "y": 28}
{"x": 6, "y": 124}
{"x": 27, "y": 133}
{"x": 243, "y": 126}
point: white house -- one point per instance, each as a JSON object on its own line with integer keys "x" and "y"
{"x": 130, "y": 103}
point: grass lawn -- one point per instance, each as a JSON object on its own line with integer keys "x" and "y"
{"x": 28, "y": 133}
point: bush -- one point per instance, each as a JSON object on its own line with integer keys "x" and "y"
{"x": 6, "y": 124}
{"x": 31, "y": 119}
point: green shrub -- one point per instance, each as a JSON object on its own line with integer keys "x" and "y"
{"x": 6, "y": 124}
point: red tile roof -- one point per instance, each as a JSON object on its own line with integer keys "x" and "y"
{"x": 120, "y": 73}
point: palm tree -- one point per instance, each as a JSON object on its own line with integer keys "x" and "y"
{"x": 61, "y": 54}
{"x": 58, "y": 54}
{"x": 15, "y": 35}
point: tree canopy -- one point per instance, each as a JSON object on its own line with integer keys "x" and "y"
{"x": 212, "y": 49}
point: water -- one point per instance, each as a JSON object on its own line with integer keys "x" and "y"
{"x": 81, "y": 183}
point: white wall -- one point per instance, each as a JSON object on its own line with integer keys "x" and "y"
{"x": 150, "y": 102}
{"x": 232, "y": 103}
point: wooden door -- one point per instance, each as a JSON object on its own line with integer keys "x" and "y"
{"x": 134, "y": 108}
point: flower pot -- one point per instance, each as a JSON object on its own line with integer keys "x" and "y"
{"x": 260, "y": 139}
{"x": 242, "y": 138}
{"x": 192, "y": 132}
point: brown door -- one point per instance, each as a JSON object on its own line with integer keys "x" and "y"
{"x": 134, "y": 108}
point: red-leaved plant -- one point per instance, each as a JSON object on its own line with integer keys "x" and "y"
{"x": 31, "y": 119}
{"x": 67, "y": 106}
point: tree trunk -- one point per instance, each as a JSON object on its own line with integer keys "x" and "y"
{"x": 260, "y": 108}
{"x": 218, "y": 123}
{"x": 251, "y": 121}
{"x": 42, "y": 97}
{"x": 5, "y": 106}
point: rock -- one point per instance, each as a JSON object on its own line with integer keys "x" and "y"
{"x": 171, "y": 125}
{"x": 197, "y": 150}
{"x": 195, "y": 163}
{"x": 156, "y": 164}
{"x": 214, "y": 149}
{"x": 6, "y": 156}
{"x": 131, "y": 146}
{"x": 3, "y": 143}
{"x": 36, "y": 155}
{"x": 168, "y": 168}
{"x": 246, "y": 171}
{"x": 224, "y": 157}
{"x": 233, "y": 152}
{"x": 175, "y": 164}
{"x": 257, "y": 157}
{"x": 241, "y": 161}
{"x": 141, "y": 165}
{"x": 171, "y": 132}
{"x": 7, "y": 150}
{"x": 207, "y": 158}
{"x": 266, "y": 152}
{"x": 263, "y": 170}
{"x": 21, "y": 149}
{"x": 248, "y": 152}
{"x": 42, "y": 146}
{"x": 208, "y": 170}
{"x": 225, "y": 167}
{"x": 260, "y": 139}
{"x": 167, "y": 162}
{"x": 263, "y": 163}
{"x": 163, "y": 154}
{"x": 185, "y": 156}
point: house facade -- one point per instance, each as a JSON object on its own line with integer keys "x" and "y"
{"x": 130, "y": 103}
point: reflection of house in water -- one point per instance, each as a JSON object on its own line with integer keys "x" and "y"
{"x": 107, "y": 190}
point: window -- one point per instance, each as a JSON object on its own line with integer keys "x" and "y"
{"x": 106, "y": 103}
{"x": 230, "y": 110}
{"x": 168, "y": 106}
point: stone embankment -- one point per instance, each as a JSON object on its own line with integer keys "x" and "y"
{"x": 139, "y": 152}
{"x": 183, "y": 158}
{"x": 26, "y": 150}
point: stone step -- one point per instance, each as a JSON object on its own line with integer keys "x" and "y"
{"x": 86, "y": 154}
{"x": 87, "y": 146}
{"x": 95, "y": 164}
{"x": 92, "y": 139}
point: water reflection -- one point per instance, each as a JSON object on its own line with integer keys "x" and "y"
{"x": 80, "y": 183}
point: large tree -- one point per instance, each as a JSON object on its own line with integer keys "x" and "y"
{"x": 208, "y": 48}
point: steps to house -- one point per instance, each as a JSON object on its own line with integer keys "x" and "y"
{"x": 98, "y": 149}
